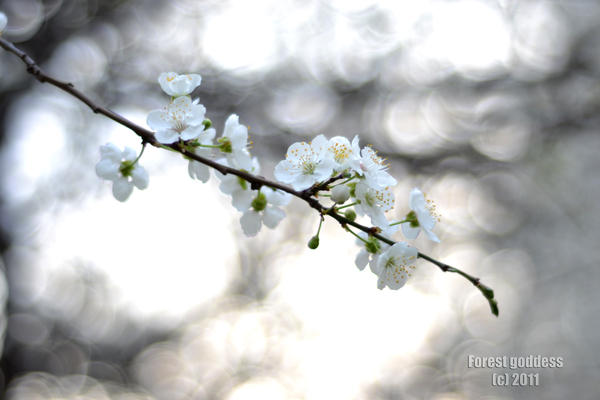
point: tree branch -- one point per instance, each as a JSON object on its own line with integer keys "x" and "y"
{"x": 255, "y": 181}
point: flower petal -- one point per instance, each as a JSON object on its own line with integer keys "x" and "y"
{"x": 319, "y": 144}
{"x": 277, "y": 197}
{"x": 3, "y": 21}
{"x": 378, "y": 217}
{"x": 207, "y": 136}
{"x": 167, "y": 136}
{"x": 416, "y": 199}
{"x": 432, "y": 236}
{"x": 192, "y": 132}
{"x": 324, "y": 169}
{"x": 373, "y": 264}
{"x": 239, "y": 137}
{"x": 140, "y": 177}
{"x": 110, "y": 151}
{"x": 384, "y": 179}
{"x": 107, "y": 169}
{"x": 272, "y": 216}
{"x": 243, "y": 160}
{"x": 122, "y": 189}
{"x": 158, "y": 120}
{"x": 196, "y": 116}
{"x": 229, "y": 184}
{"x": 250, "y": 222}
{"x": 242, "y": 199}
{"x": 284, "y": 171}
{"x": 199, "y": 171}
{"x": 230, "y": 124}
{"x": 302, "y": 182}
{"x": 129, "y": 154}
{"x": 362, "y": 259}
{"x": 299, "y": 151}
{"x": 183, "y": 103}
{"x": 425, "y": 218}
{"x": 165, "y": 79}
{"x": 410, "y": 232}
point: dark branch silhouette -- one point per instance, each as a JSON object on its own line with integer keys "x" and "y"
{"x": 255, "y": 181}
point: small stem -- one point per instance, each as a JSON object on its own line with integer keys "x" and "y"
{"x": 322, "y": 186}
{"x": 357, "y": 236}
{"x": 346, "y": 181}
{"x": 347, "y": 205}
{"x": 320, "y": 224}
{"x": 141, "y": 152}
{"x": 399, "y": 222}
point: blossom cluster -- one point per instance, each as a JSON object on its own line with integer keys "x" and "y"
{"x": 356, "y": 180}
{"x": 341, "y": 170}
{"x": 183, "y": 121}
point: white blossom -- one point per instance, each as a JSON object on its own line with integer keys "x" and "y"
{"x": 177, "y": 85}
{"x": 239, "y": 189}
{"x": 373, "y": 169}
{"x": 180, "y": 119}
{"x": 235, "y": 142}
{"x": 306, "y": 164}
{"x": 119, "y": 167}
{"x": 197, "y": 170}
{"x": 369, "y": 253}
{"x": 264, "y": 210}
{"x": 423, "y": 215}
{"x": 374, "y": 203}
{"x": 345, "y": 154}
{"x": 394, "y": 265}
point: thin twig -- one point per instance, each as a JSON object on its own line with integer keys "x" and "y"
{"x": 255, "y": 181}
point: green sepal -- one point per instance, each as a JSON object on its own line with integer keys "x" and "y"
{"x": 411, "y": 217}
{"x": 352, "y": 186}
{"x": 126, "y": 168}
{"x": 225, "y": 144}
{"x": 260, "y": 202}
{"x": 373, "y": 246}
{"x": 242, "y": 183}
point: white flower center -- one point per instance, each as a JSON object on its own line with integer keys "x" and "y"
{"x": 385, "y": 199}
{"x": 397, "y": 268}
{"x": 178, "y": 116}
{"x": 341, "y": 152}
{"x": 432, "y": 208}
{"x": 308, "y": 166}
{"x": 376, "y": 159}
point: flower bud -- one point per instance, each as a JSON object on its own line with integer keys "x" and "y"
{"x": 350, "y": 214}
{"x": 313, "y": 243}
{"x": 340, "y": 194}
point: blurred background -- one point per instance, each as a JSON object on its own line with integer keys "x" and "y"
{"x": 491, "y": 107}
